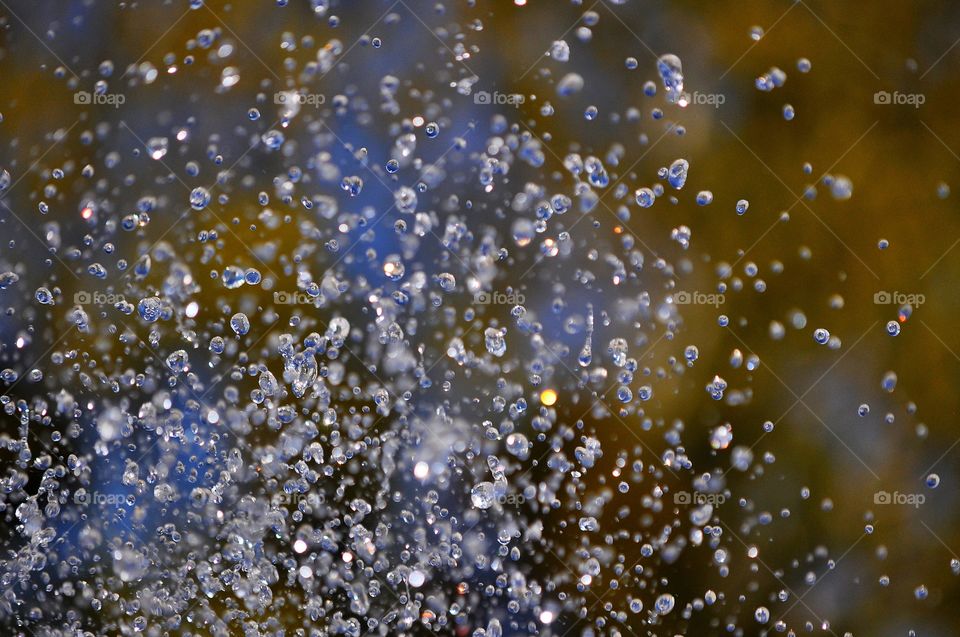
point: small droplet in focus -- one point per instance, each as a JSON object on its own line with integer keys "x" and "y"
{"x": 671, "y": 72}
{"x": 240, "y": 323}
{"x": 677, "y": 174}
{"x": 664, "y": 604}
{"x": 199, "y": 198}
{"x": 645, "y": 197}
{"x": 482, "y": 495}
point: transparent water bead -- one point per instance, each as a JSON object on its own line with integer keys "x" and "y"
{"x": 677, "y": 173}
{"x": 240, "y": 324}
{"x": 762, "y": 615}
{"x": 560, "y": 51}
{"x": 664, "y": 604}
{"x": 483, "y": 495}
{"x": 645, "y": 197}
{"x": 671, "y": 73}
{"x": 199, "y": 198}
{"x": 495, "y": 342}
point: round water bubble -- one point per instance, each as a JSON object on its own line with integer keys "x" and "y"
{"x": 664, "y": 604}
{"x": 199, "y": 198}
{"x": 239, "y": 323}
{"x": 761, "y": 614}
{"x": 483, "y": 495}
{"x": 645, "y": 197}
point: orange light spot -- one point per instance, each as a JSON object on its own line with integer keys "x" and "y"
{"x": 548, "y": 397}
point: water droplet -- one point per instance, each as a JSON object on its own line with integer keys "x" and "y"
{"x": 199, "y": 198}
{"x": 677, "y": 175}
{"x": 671, "y": 72}
{"x": 482, "y": 495}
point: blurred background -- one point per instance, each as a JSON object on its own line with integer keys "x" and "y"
{"x": 876, "y": 110}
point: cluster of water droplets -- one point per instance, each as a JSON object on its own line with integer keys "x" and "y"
{"x": 387, "y": 362}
